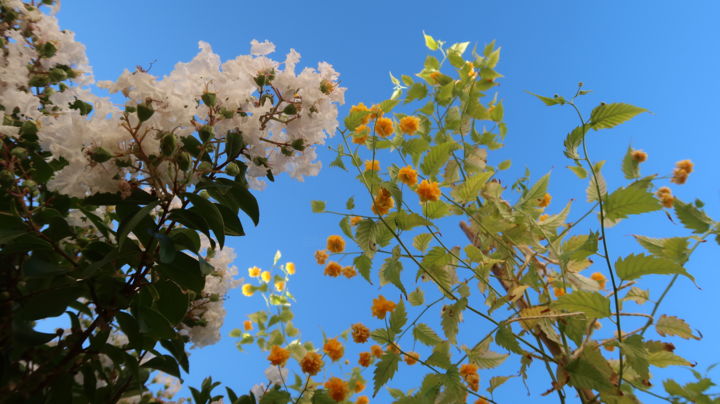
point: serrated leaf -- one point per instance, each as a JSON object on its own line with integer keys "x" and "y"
{"x": 430, "y": 42}
{"x": 573, "y": 140}
{"x": 416, "y": 297}
{"x": 390, "y": 272}
{"x": 692, "y": 217}
{"x": 355, "y": 119}
{"x": 506, "y": 339}
{"x": 363, "y": 263}
{"x": 436, "y": 158}
{"x": 421, "y": 241}
{"x": 636, "y": 265}
{"x": 663, "y": 359}
{"x": 317, "y": 206}
{"x": 630, "y": 166}
{"x": 671, "y": 325}
{"x": 385, "y": 370}
{"x": 497, "y": 381}
{"x": 607, "y": 116}
{"x": 592, "y": 189}
{"x": 451, "y": 318}
{"x": 674, "y": 248}
{"x": 578, "y": 171}
{"x": 486, "y": 359}
{"x": 426, "y": 335}
{"x": 637, "y": 295}
{"x": 350, "y": 204}
{"x": 440, "y": 355}
{"x": 398, "y": 317}
{"x": 549, "y": 101}
{"x": 470, "y": 189}
{"x": 632, "y": 200}
{"x": 593, "y": 304}
{"x": 590, "y": 371}
{"x": 535, "y": 193}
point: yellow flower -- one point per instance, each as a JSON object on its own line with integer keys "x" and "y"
{"x": 411, "y": 358}
{"x": 254, "y": 272}
{"x": 360, "y": 333}
{"x": 558, "y": 292}
{"x": 349, "y": 271}
{"x": 247, "y": 325}
{"x": 335, "y": 244}
{"x": 683, "y": 168}
{"x": 278, "y": 356}
{"x": 337, "y": 389}
{"x": 333, "y": 269}
{"x": 361, "y": 107}
{"x": 265, "y": 276}
{"x": 311, "y": 363}
{"x": 334, "y": 349}
{"x": 428, "y": 191}
{"x": 383, "y": 202}
{"x": 360, "y": 134}
{"x": 384, "y": 127}
{"x": 320, "y": 257}
{"x": 279, "y": 286}
{"x": 468, "y": 372}
{"x": 247, "y": 290}
{"x": 639, "y": 156}
{"x": 355, "y": 220}
{"x": 409, "y": 124}
{"x": 365, "y": 359}
{"x": 372, "y": 165}
{"x": 599, "y": 278}
{"x": 408, "y": 176}
{"x": 666, "y": 197}
{"x": 290, "y": 268}
{"x": 377, "y": 351}
{"x": 359, "y": 386}
{"x": 381, "y": 307}
{"x": 686, "y": 165}
{"x": 362, "y": 400}
{"x": 545, "y": 200}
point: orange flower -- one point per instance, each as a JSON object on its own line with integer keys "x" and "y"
{"x": 686, "y": 165}
{"x": 335, "y": 244}
{"x": 333, "y": 269}
{"x": 639, "y": 156}
{"x": 349, "y": 271}
{"x": 334, "y": 349}
{"x": 355, "y": 220}
{"x": 372, "y": 165}
{"x": 278, "y": 356}
{"x": 384, "y": 127}
{"x": 365, "y": 359}
{"x": 279, "y": 286}
{"x": 320, "y": 257}
{"x": 247, "y": 325}
{"x": 361, "y": 107}
{"x": 265, "y": 276}
{"x": 290, "y": 268}
{"x": 599, "y": 278}
{"x": 409, "y": 124}
{"x": 468, "y": 372}
{"x": 359, "y": 386}
{"x": 411, "y": 358}
{"x": 543, "y": 217}
{"x": 360, "y": 333}
{"x": 481, "y": 401}
{"x": 311, "y": 363}
{"x": 428, "y": 191}
{"x": 381, "y": 307}
{"x": 408, "y": 176}
{"x": 254, "y": 272}
{"x": 362, "y": 400}
{"x": 545, "y": 201}
{"x": 558, "y": 292}
{"x": 468, "y": 369}
{"x": 666, "y": 197}
{"x": 337, "y": 389}
{"x": 360, "y": 134}
{"x": 392, "y": 348}
{"x": 683, "y": 168}
{"x": 383, "y": 202}
{"x": 376, "y": 350}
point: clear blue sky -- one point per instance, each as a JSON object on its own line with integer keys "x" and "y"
{"x": 659, "y": 55}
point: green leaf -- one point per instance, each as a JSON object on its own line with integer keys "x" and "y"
{"x": 127, "y": 227}
{"x": 573, "y": 140}
{"x": 430, "y": 42}
{"x": 547, "y": 100}
{"x": 321, "y": 397}
{"x": 154, "y": 323}
{"x": 416, "y": 297}
{"x": 607, "y": 116}
{"x": 388, "y": 105}
{"x": 506, "y": 339}
{"x": 398, "y": 317}
{"x": 363, "y": 263}
{"x": 693, "y": 218}
{"x": 317, "y": 206}
{"x": 440, "y": 355}
{"x": 417, "y": 91}
{"x": 674, "y": 248}
{"x": 671, "y": 325}
{"x": 634, "y": 199}
{"x": 630, "y": 166}
{"x": 421, "y": 241}
{"x": 210, "y": 213}
{"x": 536, "y": 192}
{"x": 350, "y": 204}
{"x": 592, "y": 189}
{"x": 451, "y": 317}
{"x": 385, "y": 370}
{"x": 390, "y": 272}
{"x": 424, "y": 334}
{"x": 247, "y": 202}
{"x": 590, "y": 371}
{"x": 173, "y": 303}
{"x": 663, "y": 359}
{"x": 593, "y": 304}
{"x": 470, "y": 189}
{"x": 497, "y": 381}
{"x": 636, "y": 265}
{"x": 437, "y": 157}
{"x": 355, "y": 119}
{"x": 579, "y": 171}
{"x": 486, "y": 359}
{"x": 164, "y": 363}
{"x": 185, "y": 271}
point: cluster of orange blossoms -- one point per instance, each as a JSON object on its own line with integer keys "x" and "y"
{"x": 408, "y": 176}
{"x": 311, "y": 363}
{"x": 666, "y": 197}
{"x": 278, "y": 356}
{"x": 599, "y": 278}
{"x": 335, "y": 244}
{"x": 334, "y": 349}
{"x": 381, "y": 307}
{"x": 360, "y": 333}
{"x": 469, "y": 373}
{"x": 428, "y": 191}
{"x": 682, "y": 169}
{"x": 337, "y": 389}
{"x": 545, "y": 201}
{"x": 383, "y": 202}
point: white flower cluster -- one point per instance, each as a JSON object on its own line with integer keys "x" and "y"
{"x": 267, "y": 102}
{"x": 209, "y": 310}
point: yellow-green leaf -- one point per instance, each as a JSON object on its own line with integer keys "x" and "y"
{"x": 610, "y": 115}
{"x": 671, "y": 325}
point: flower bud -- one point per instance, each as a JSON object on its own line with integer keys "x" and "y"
{"x": 204, "y": 194}
{"x": 19, "y": 152}
{"x": 183, "y": 160}
{"x": 286, "y": 151}
{"x": 144, "y": 112}
{"x": 290, "y": 109}
{"x": 206, "y": 132}
{"x": 168, "y": 144}
{"x": 232, "y": 169}
{"x": 209, "y": 99}
{"x": 298, "y": 144}
{"x": 46, "y": 50}
{"x": 205, "y": 167}
{"x": 100, "y": 155}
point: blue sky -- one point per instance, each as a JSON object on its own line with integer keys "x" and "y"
{"x": 658, "y": 55}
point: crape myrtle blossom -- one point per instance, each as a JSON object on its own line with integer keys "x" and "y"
{"x": 280, "y": 114}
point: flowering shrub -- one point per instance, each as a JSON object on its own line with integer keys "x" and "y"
{"x": 115, "y": 217}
